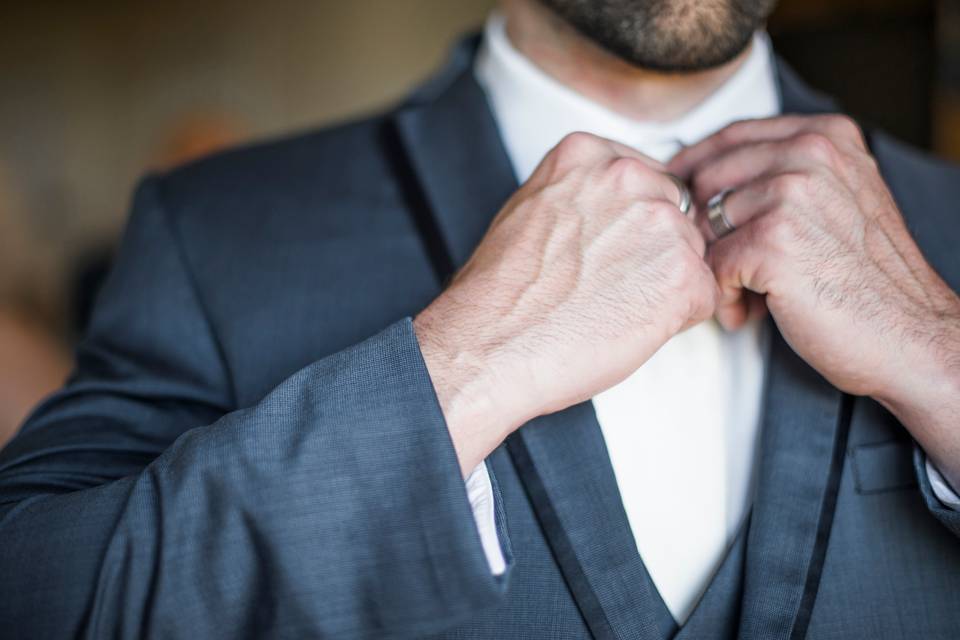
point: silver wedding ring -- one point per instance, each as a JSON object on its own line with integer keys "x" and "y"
{"x": 685, "y": 198}
{"x": 719, "y": 222}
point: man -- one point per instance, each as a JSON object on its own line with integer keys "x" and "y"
{"x": 237, "y": 456}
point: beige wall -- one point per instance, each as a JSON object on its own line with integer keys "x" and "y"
{"x": 89, "y": 89}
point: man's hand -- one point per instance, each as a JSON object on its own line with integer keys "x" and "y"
{"x": 818, "y": 234}
{"x": 588, "y": 269}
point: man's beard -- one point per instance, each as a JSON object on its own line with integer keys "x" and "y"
{"x": 667, "y": 35}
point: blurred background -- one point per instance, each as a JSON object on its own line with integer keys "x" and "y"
{"x": 95, "y": 94}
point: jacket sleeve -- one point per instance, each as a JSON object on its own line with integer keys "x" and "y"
{"x": 139, "y": 502}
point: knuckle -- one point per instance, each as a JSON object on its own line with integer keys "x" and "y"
{"x": 843, "y": 126}
{"x": 817, "y": 146}
{"x": 733, "y": 131}
{"x": 790, "y": 186}
{"x": 777, "y": 232}
{"x": 627, "y": 171}
{"x": 576, "y": 144}
{"x": 574, "y": 150}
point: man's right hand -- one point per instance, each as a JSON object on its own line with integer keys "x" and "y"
{"x": 586, "y": 271}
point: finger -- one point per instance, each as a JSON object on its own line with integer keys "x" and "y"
{"x": 586, "y": 148}
{"x": 750, "y": 262}
{"x": 630, "y": 152}
{"x": 733, "y": 135}
{"x": 672, "y": 189}
{"x": 740, "y": 266}
{"x": 736, "y": 166}
{"x": 580, "y": 149}
{"x": 733, "y": 315}
{"x": 631, "y": 177}
{"x": 740, "y": 206}
{"x": 692, "y": 235}
{"x": 668, "y": 187}
{"x": 679, "y": 195}
{"x": 684, "y": 226}
{"x": 751, "y": 307}
{"x": 646, "y": 176}
{"x": 836, "y": 127}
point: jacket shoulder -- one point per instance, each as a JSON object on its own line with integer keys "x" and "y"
{"x": 339, "y": 158}
{"x": 251, "y": 204}
{"x": 907, "y": 163}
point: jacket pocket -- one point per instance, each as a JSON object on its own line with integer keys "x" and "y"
{"x": 883, "y": 466}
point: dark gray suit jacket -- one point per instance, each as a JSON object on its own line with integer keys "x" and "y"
{"x": 251, "y": 445}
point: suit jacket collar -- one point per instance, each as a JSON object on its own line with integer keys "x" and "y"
{"x": 451, "y": 141}
{"x": 458, "y": 176}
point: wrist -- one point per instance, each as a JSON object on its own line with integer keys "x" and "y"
{"x": 474, "y": 404}
{"x": 924, "y": 394}
{"x": 927, "y": 365}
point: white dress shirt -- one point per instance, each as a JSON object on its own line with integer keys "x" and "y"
{"x": 682, "y": 430}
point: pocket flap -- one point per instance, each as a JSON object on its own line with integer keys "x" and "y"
{"x": 884, "y": 466}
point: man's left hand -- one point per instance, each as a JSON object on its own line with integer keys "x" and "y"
{"x": 818, "y": 235}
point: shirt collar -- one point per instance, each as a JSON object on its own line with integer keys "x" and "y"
{"x": 534, "y": 111}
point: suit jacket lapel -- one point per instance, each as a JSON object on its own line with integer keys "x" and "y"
{"x": 454, "y": 166}
{"x": 805, "y": 423}
{"x": 563, "y": 461}
{"x": 456, "y": 175}
{"x": 804, "y": 430}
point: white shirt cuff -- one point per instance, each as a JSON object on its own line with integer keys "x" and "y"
{"x": 941, "y": 489}
{"x": 480, "y": 494}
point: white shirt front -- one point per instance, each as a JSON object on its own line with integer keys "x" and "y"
{"x": 682, "y": 430}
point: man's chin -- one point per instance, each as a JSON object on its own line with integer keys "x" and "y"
{"x": 656, "y": 35}
{"x": 678, "y": 60}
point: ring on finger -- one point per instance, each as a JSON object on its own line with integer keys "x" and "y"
{"x": 716, "y": 215}
{"x": 685, "y": 197}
